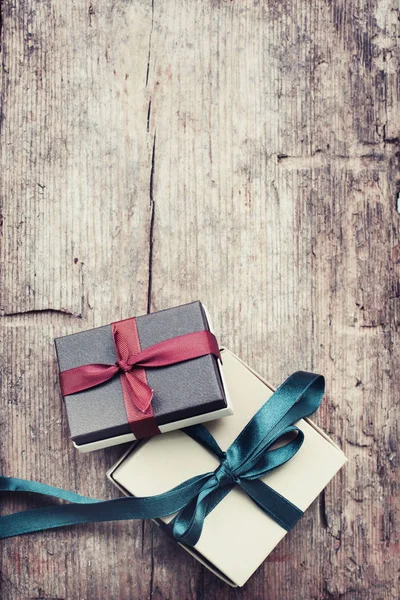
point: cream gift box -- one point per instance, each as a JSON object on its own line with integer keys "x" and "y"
{"x": 237, "y": 535}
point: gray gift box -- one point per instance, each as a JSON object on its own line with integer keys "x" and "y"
{"x": 185, "y": 393}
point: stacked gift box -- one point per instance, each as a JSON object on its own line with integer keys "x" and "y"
{"x": 237, "y": 534}
{"x": 183, "y": 393}
{"x": 227, "y": 491}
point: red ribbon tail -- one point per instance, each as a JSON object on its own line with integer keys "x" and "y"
{"x": 178, "y": 349}
{"x": 142, "y": 394}
{"x": 85, "y": 377}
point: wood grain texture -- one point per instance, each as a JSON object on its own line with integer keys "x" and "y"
{"x": 242, "y": 152}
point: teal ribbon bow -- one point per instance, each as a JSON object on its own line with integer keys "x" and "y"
{"x": 248, "y": 458}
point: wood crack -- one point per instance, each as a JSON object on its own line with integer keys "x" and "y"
{"x": 151, "y": 229}
{"x": 150, "y": 38}
{"x": 148, "y": 116}
{"x": 91, "y": 13}
{"x": 82, "y": 277}
{"x": 143, "y": 537}
{"x": 39, "y": 311}
{"x": 322, "y": 510}
{"x": 151, "y": 591}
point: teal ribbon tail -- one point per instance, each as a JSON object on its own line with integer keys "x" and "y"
{"x": 253, "y": 454}
{"x": 88, "y": 510}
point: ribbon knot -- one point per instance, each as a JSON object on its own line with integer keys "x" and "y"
{"x": 124, "y": 366}
{"x": 224, "y": 475}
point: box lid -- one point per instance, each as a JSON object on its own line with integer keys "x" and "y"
{"x": 182, "y": 390}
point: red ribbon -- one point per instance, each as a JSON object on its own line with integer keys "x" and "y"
{"x": 130, "y": 364}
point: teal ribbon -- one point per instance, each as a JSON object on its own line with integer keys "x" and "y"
{"x": 247, "y": 459}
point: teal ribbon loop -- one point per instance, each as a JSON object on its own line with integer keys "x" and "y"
{"x": 254, "y": 453}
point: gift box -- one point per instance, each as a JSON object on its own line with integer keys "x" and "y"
{"x": 141, "y": 376}
{"x": 237, "y": 534}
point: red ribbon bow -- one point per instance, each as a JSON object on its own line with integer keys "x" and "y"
{"x": 130, "y": 364}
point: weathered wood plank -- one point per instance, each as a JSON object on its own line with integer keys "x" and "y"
{"x": 275, "y": 203}
{"x": 76, "y": 213}
{"x": 243, "y": 153}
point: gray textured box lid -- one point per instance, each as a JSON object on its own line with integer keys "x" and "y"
{"x": 182, "y": 390}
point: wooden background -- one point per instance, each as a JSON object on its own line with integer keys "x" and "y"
{"x": 244, "y": 152}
